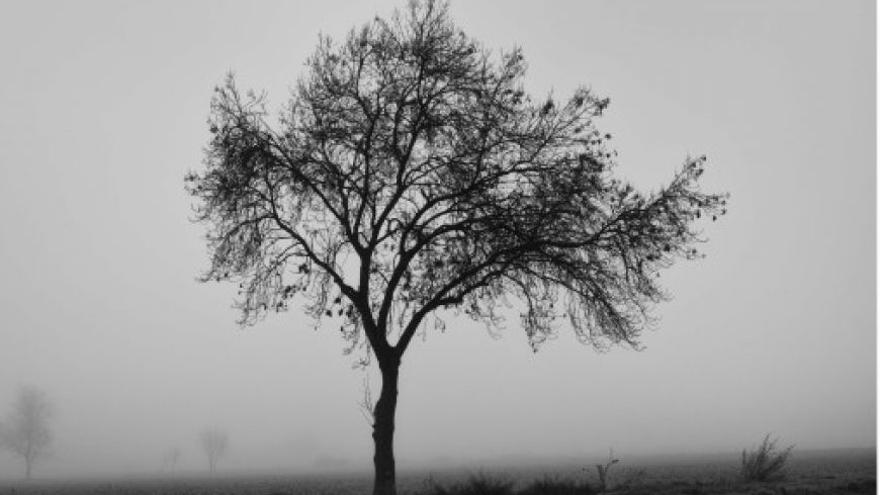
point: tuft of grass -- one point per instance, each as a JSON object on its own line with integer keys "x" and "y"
{"x": 484, "y": 485}
{"x": 476, "y": 485}
{"x": 549, "y": 486}
{"x": 766, "y": 463}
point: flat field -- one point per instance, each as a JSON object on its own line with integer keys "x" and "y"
{"x": 850, "y": 471}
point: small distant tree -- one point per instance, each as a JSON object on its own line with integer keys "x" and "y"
{"x": 214, "y": 443}
{"x": 411, "y": 175}
{"x": 170, "y": 459}
{"x": 25, "y": 431}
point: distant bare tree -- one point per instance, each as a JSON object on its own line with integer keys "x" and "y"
{"x": 214, "y": 442}
{"x": 25, "y": 432}
{"x": 169, "y": 460}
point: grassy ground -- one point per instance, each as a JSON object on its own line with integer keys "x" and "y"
{"x": 809, "y": 473}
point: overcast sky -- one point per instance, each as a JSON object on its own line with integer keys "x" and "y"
{"x": 103, "y": 109}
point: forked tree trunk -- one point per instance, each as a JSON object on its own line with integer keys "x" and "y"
{"x": 385, "y": 482}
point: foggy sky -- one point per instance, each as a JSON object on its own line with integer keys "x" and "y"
{"x": 104, "y": 108}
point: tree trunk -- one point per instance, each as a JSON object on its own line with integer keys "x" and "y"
{"x": 385, "y": 482}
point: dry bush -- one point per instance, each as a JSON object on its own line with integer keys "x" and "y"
{"x": 477, "y": 485}
{"x": 550, "y": 486}
{"x": 765, "y": 463}
{"x": 485, "y": 485}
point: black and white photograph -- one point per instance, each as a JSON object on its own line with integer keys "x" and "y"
{"x": 438, "y": 247}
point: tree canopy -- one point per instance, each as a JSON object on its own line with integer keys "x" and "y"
{"x": 411, "y": 172}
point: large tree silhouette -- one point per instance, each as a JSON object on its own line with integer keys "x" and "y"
{"x": 411, "y": 176}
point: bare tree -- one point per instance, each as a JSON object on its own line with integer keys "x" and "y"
{"x": 170, "y": 459}
{"x": 25, "y": 432}
{"x": 214, "y": 442}
{"x": 411, "y": 176}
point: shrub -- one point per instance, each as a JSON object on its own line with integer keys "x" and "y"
{"x": 766, "y": 463}
{"x": 484, "y": 485}
{"x": 548, "y": 486}
{"x": 476, "y": 485}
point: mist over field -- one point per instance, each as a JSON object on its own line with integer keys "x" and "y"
{"x": 104, "y": 112}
